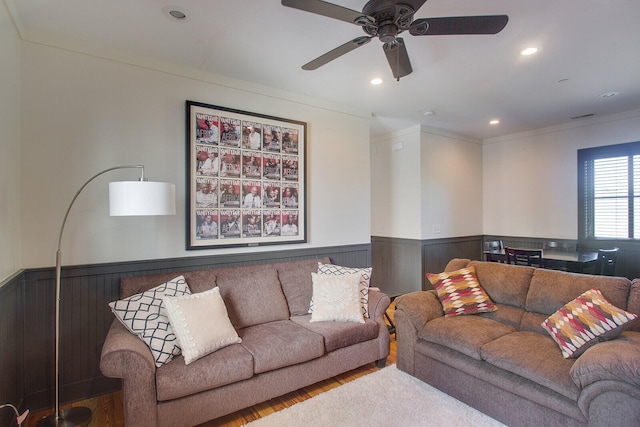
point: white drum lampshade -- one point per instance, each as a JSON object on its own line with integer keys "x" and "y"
{"x": 132, "y": 198}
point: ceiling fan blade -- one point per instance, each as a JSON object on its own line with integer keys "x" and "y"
{"x": 398, "y": 58}
{"x": 415, "y": 4}
{"x": 323, "y": 8}
{"x": 489, "y": 24}
{"x": 336, "y": 53}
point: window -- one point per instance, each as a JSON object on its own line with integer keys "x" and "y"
{"x": 609, "y": 192}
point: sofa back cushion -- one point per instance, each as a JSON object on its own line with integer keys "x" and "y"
{"x": 633, "y": 305}
{"x": 252, "y": 295}
{"x": 505, "y": 284}
{"x": 295, "y": 278}
{"x": 551, "y": 289}
{"x": 455, "y": 264}
{"x": 286, "y": 286}
{"x": 198, "y": 281}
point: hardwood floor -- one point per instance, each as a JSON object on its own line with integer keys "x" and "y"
{"x": 108, "y": 412}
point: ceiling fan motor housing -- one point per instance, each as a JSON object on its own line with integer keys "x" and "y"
{"x": 390, "y": 19}
{"x": 387, "y": 33}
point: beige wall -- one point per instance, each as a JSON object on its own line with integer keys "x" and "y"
{"x": 9, "y": 146}
{"x": 86, "y": 110}
{"x": 395, "y": 185}
{"x": 530, "y": 179}
{"x": 523, "y": 184}
{"x": 451, "y": 185}
{"x": 426, "y": 184}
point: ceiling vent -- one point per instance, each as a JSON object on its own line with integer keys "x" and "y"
{"x": 584, "y": 116}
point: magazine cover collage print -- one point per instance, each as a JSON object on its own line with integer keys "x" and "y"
{"x": 245, "y": 178}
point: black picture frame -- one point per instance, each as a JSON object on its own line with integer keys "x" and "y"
{"x": 246, "y": 178}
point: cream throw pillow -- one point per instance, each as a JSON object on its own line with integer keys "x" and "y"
{"x": 201, "y": 323}
{"x": 365, "y": 280}
{"x": 337, "y": 298}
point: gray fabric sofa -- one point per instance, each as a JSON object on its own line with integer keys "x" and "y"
{"x": 281, "y": 351}
{"x": 507, "y": 366}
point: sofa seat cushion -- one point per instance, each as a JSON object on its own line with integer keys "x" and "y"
{"x": 617, "y": 360}
{"x": 227, "y": 365}
{"x": 466, "y": 334}
{"x": 535, "y": 357}
{"x": 282, "y": 343}
{"x": 506, "y": 314}
{"x": 340, "y": 334}
{"x": 501, "y": 378}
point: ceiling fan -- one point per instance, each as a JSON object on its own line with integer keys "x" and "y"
{"x": 386, "y": 19}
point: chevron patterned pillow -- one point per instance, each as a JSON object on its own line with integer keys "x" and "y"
{"x": 144, "y": 315}
{"x": 586, "y": 321}
{"x": 460, "y": 292}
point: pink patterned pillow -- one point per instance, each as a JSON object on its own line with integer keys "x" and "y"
{"x": 585, "y": 321}
{"x": 460, "y": 292}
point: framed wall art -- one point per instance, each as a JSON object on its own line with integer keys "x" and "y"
{"x": 245, "y": 178}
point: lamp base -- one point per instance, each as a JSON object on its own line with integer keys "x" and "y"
{"x": 70, "y": 417}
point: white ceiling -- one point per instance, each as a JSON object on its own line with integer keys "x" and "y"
{"x": 589, "y": 47}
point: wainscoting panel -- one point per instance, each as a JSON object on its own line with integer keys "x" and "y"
{"x": 86, "y": 317}
{"x": 11, "y": 346}
{"x": 400, "y": 265}
{"x": 396, "y": 265}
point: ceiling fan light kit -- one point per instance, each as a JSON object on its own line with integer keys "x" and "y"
{"x": 386, "y": 19}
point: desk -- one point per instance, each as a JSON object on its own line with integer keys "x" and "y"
{"x": 576, "y": 262}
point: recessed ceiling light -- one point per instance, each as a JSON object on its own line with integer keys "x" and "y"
{"x": 376, "y": 81}
{"x": 177, "y": 14}
{"x": 428, "y": 113}
{"x": 609, "y": 94}
{"x": 529, "y": 51}
{"x": 494, "y": 122}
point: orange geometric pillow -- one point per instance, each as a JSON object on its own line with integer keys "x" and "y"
{"x": 585, "y": 321}
{"x": 460, "y": 292}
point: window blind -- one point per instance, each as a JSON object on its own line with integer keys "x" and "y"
{"x": 609, "y": 192}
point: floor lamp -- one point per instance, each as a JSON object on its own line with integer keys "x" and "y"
{"x": 126, "y": 198}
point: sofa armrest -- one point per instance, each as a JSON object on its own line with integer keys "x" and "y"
{"x": 608, "y": 375}
{"x": 617, "y": 360}
{"x": 126, "y": 356}
{"x": 412, "y": 313}
{"x": 610, "y": 403}
{"x": 378, "y": 304}
{"x": 421, "y": 307}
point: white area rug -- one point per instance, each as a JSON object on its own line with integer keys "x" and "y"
{"x": 388, "y": 397}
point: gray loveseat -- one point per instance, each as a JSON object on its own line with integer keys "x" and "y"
{"x": 281, "y": 350}
{"x": 506, "y": 365}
